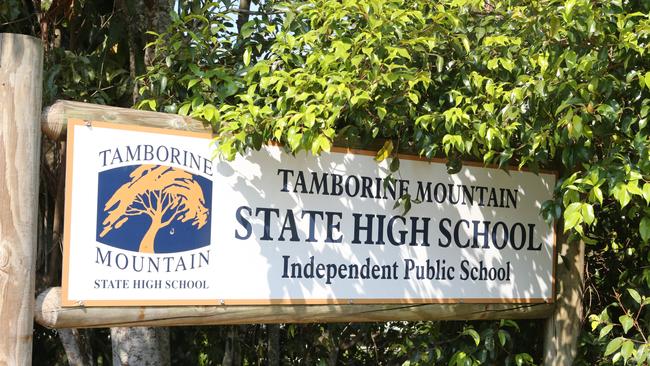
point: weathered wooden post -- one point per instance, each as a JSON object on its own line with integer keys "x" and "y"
{"x": 21, "y": 76}
{"x": 564, "y": 325}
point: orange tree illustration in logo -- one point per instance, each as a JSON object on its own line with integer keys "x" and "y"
{"x": 164, "y": 194}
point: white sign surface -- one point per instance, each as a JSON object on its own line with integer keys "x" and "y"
{"x": 152, "y": 220}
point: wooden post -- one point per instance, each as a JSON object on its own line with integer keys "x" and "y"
{"x": 21, "y": 78}
{"x": 563, "y": 326}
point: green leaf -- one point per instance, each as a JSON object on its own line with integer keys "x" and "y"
{"x": 641, "y": 354}
{"x": 247, "y": 56}
{"x": 247, "y": 29}
{"x": 294, "y": 138}
{"x": 502, "y": 337}
{"x": 646, "y": 192}
{"x": 523, "y": 359}
{"x": 596, "y": 194}
{"x": 192, "y": 82}
{"x": 381, "y": 112}
{"x": 613, "y": 345}
{"x": 209, "y": 112}
{"x": 626, "y": 322}
{"x": 341, "y": 49}
{"x": 595, "y": 321}
{"x": 163, "y": 83}
{"x": 403, "y": 53}
{"x": 474, "y": 334}
{"x": 644, "y": 229}
{"x": 509, "y": 323}
{"x": 571, "y": 220}
{"x": 635, "y": 295}
{"x": 588, "y": 213}
{"x": 507, "y": 64}
{"x": 323, "y": 144}
{"x": 605, "y": 330}
{"x": 627, "y": 349}
{"x": 621, "y": 194}
{"x": 459, "y": 359}
{"x": 360, "y": 97}
{"x": 197, "y": 102}
{"x": 573, "y": 216}
{"x": 184, "y": 109}
{"x": 570, "y": 58}
{"x": 196, "y": 71}
{"x": 440, "y": 63}
{"x": 385, "y": 151}
{"x": 633, "y": 188}
{"x": 573, "y": 207}
{"x": 493, "y": 63}
{"x": 394, "y": 165}
{"x": 465, "y": 42}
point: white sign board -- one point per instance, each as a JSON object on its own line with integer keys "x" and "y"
{"x": 151, "y": 219}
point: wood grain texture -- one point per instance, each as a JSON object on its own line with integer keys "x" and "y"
{"x": 21, "y": 76}
{"x": 51, "y": 314}
{"x": 140, "y": 346}
{"x": 54, "y": 118}
{"x": 562, "y": 328}
{"x": 76, "y": 343}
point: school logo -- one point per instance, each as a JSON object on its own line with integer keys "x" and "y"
{"x": 153, "y": 209}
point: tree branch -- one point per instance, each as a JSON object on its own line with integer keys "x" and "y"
{"x": 156, "y": 196}
{"x": 145, "y": 201}
{"x": 249, "y": 12}
{"x": 243, "y": 13}
{"x": 172, "y": 218}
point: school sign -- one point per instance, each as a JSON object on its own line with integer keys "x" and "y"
{"x": 151, "y": 219}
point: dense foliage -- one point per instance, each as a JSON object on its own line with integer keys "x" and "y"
{"x": 392, "y": 343}
{"x": 555, "y": 84}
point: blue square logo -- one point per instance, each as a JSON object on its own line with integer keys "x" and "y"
{"x": 153, "y": 209}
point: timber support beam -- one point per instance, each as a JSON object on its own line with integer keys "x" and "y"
{"x": 54, "y": 118}
{"x": 50, "y": 313}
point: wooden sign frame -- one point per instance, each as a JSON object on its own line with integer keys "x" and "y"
{"x": 563, "y": 317}
{"x": 67, "y": 301}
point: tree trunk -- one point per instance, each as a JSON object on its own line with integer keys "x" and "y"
{"x": 334, "y": 345}
{"x": 244, "y": 12}
{"x": 143, "y": 345}
{"x": 274, "y": 344}
{"x": 132, "y": 14}
{"x": 333, "y": 355}
{"x": 158, "y": 18}
{"x": 140, "y": 346}
{"x": 232, "y": 354}
{"x": 76, "y": 343}
{"x": 563, "y": 327}
{"x": 148, "y": 241}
